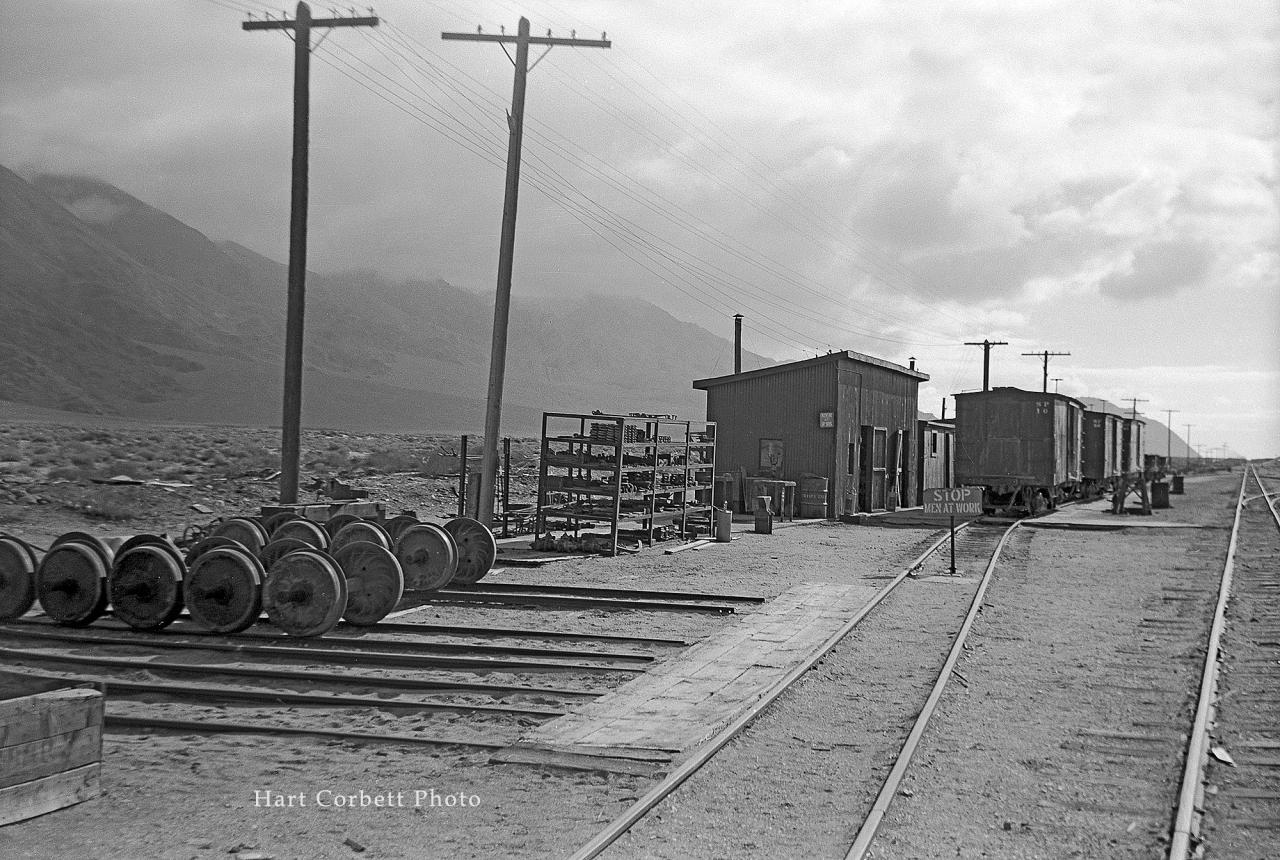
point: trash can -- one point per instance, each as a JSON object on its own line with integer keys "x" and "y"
{"x": 1159, "y": 494}
{"x": 724, "y": 524}
{"x": 1176, "y": 487}
{"x": 813, "y": 497}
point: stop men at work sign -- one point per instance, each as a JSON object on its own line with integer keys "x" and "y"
{"x": 953, "y": 501}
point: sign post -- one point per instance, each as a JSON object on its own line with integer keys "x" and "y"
{"x": 964, "y": 501}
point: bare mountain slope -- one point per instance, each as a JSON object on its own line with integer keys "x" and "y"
{"x": 115, "y": 306}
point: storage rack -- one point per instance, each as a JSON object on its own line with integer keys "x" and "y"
{"x": 608, "y": 469}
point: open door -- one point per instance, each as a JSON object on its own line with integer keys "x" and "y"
{"x": 873, "y": 472}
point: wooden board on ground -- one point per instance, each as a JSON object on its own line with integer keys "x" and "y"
{"x": 677, "y": 705}
{"x": 50, "y": 745}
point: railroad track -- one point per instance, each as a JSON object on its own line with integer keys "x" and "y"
{"x": 1229, "y": 803}
{"x": 490, "y": 681}
{"x": 978, "y": 546}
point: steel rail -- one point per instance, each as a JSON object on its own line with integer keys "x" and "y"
{"x": 1185, "y": 821}
{"x": 119, "y": 721}
{"x": 867, "y": 833}
{"x": 501, "y": 632}
{"x": 317, "y": 655}
{"x": 303, "y": 677}
{"x": 1267, "y": 495}
{"x": 569, "y": 601}
{"x": 217, "y": 693}
{"x": 480, "y": 632}
{"x": 192, "y": 633}
{"x": 604, "y": 591}
{"x": 673, "y": 780}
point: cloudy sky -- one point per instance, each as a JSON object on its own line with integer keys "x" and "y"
{"x": 894, "y": 178}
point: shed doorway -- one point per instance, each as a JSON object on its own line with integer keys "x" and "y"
{"x": 873, "y": 468}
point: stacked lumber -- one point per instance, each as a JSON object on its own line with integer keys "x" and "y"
{"x": 50, "y": 745}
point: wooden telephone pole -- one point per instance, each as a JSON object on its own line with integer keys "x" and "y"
{"x": 292, "y": 422}
{"x": 1045, "y": 354}
{"x": 506, "y": 251}
{"x": 986, "y": 358}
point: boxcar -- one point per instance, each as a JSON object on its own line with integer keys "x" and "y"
{"x": 1100, "y": 452}
{"x": 1134, "y": 446}
{"x": 1022, "y": 447}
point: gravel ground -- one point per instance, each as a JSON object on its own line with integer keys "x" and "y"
{"x": 1058, "y": 649}
{"x": 182, "y": 795}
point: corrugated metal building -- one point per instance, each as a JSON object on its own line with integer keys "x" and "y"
{"x": 844, "y": 416}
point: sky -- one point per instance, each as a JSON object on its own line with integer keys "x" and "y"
{"x": 1094, "y": 178}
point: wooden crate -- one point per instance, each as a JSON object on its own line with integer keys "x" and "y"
{"x": 50, "y": 745}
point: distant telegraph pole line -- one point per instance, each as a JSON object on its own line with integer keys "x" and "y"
{"x": 1135, "y": 401}
{"x": 291, "y": 424}
{"x": 986, "y": 358}
{"x": 1045, "y": 355}
{"x": 502, "y": 303}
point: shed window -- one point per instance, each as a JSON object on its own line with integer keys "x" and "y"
{"x": 933, "y": 443}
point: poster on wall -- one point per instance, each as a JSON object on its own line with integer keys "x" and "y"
{"x": 771, "y": 457}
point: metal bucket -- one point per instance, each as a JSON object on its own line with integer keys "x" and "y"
{"x": 1177, "y": 488}
{"x": 1159, "y": 494}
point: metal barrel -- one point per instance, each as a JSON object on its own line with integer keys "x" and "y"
{"x": 813, "y": 497}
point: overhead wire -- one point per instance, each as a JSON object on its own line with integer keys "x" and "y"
{"x": 675, "y": 261}
{"x": 700, "y": 229}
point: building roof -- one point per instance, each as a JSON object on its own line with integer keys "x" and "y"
{"x": 1011, "y": 391}
{"x": 791, "y": 366}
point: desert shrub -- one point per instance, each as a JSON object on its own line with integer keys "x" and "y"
{"x": 68, "y": 472}
{"x": 335, "y": 458}
{"x": 109, "y": 503}
{"x": 392, "y": 460}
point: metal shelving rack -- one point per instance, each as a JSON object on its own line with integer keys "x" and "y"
{"x": 600, "y": 470}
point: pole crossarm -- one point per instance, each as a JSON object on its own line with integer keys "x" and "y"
{"x": 366, "y": 21}
{"x": 529, "y": 40}
{"x": 1045, "y": 355}
{"x": 986, "y": 358}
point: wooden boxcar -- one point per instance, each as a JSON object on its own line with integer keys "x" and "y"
{"x": 1022, "y": 447}
{"x": 1133, "y": 446}
{"x": 1100, "y": 451}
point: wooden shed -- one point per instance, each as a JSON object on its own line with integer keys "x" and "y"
{"x": 935, "y": 452}
{"x": 846, "y": 417}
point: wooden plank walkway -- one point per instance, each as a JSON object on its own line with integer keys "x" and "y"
{"x": 682, "y": 702}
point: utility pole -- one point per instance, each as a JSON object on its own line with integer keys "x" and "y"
{"x": 1045, "y": 354}
{"x": 507, "y": 244}
{"x": 291, "y": 424}
{"x": 1188, "y": 443}
{"x": 1135, "y": 401}
{"x": 986, "y": 358}
{"x": 1056, "y": 380}
{"x": 737, "y": 343}
{"x": 1168, "y": 453}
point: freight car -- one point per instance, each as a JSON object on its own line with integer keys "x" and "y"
{"x": 1021, "y": 447}
{"x": 1100, "y": 452}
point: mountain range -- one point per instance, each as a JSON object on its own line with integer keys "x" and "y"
{"x": 114, "y": 307}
